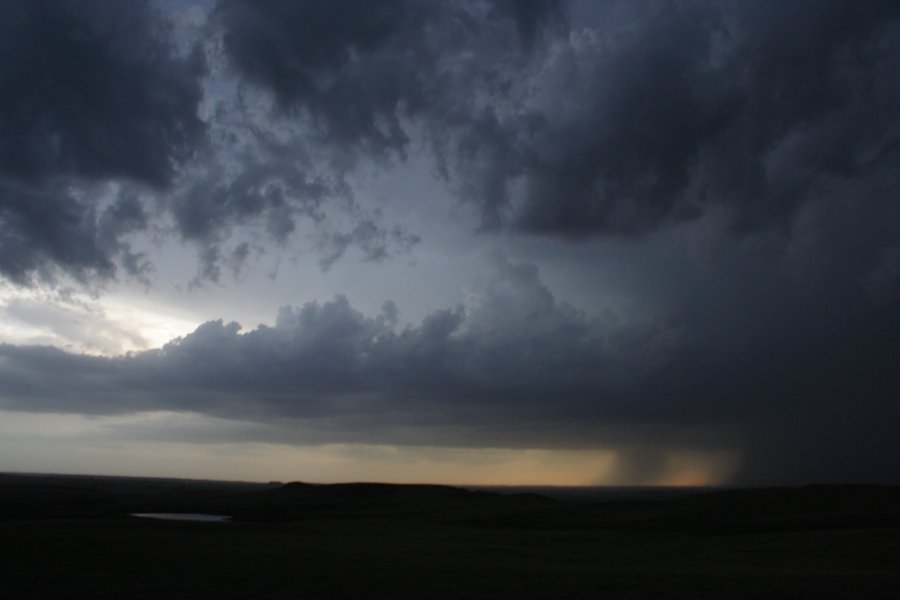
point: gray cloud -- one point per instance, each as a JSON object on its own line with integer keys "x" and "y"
{"x": 690, "y": 107}
{"x": 564, "y": 119}
{"x": 90, "y": 92}
{"x": 514, "y": 366}
{"x": 375, "y": 242}
{"x": 512, "y": 345}
{"x": 99, "y": 100}
{"x": 46, "y": 227}
{"x": 741, "y": 159}
{"x": 358, "y": 68}
{"x": 650, "y": 115}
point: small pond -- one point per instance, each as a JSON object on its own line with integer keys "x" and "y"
{"x": 184, "y": 517}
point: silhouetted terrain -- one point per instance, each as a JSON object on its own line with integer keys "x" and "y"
{"x": 73, "y": 537}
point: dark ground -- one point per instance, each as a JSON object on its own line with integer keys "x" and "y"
{"x": 71, "y": 537}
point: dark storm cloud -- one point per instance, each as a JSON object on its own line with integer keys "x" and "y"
{"x": 645, "y": 113}
{"x": 100, "y": 99}
{"x": 326, "y": 358}
{"x": 514, "y": 366}
{"x": 567, "y": 119}
{"x": 215, "y": 201}
{"x": 751, "y": 106}
{"x": 90, "y": 89}
{"x": 751, "y": 146}
{"x": 358, "y": 70}
{"x": 274, "y": 193}
{"x": 359, "y": 67}
{"x": 532, "y": 16}
{"x": 46, "y": 227}
{"x": 89, "y": 92}
{"x": 803, "y": 394}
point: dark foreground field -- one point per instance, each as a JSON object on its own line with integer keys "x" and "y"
{"x": 67, "y": 537}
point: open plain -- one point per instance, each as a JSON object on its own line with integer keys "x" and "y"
{"x": 73, "y": 537}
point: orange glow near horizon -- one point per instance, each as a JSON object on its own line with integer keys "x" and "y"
{"x": 92, "y": 445}
{"x": 686, "y": 468}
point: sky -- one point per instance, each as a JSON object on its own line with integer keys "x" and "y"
{"x": 518, "y": 242}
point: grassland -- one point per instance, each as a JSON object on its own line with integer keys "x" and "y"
{"x": 73, "y": 538}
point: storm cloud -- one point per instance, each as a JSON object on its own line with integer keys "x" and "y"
{"x": 102, "y": 107}
{"x": 90, "y": 92}
{"x": 513, "y": 367}
{"x": 562, "y": 119}
{"x": 714, "y": 181}
{"x": 644, "y": 114}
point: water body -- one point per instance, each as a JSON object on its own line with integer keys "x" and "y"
{"x": 184, "y": 517}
